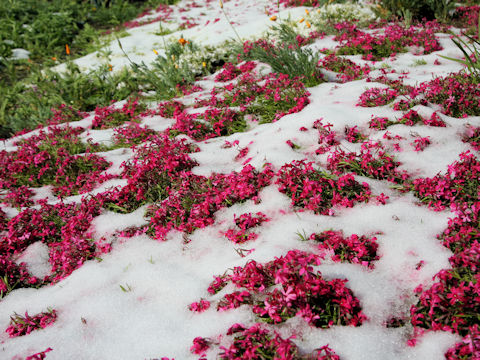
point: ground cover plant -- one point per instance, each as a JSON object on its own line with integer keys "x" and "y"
{"x": 333, "y": 305}
{"x": 237, "y": 181}
{"x": 54, "y": 158}
{"x": 319, "y": 191}
{"x": 24, "y": 325}
{"x": 372, "y": 161}
{"x": 392, "y": 40}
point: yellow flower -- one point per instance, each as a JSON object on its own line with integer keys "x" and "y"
{"x": 307, "y": 12}
{"x": 176, "y": 66}
{"x": 182, "y": 41}
{"x": 273, "y": 18}
{"x": 155, "y": 51}
{"x": 173, "y": 57}
{"x": 54, "y": 58}
{"x": 307, "y": 24}
{"x": 301, "y": 20}
{"x": 204, "y": 64}
{"x": 67, "y": 49}
{"x": 110, "y": 67}
{"x": 221, "y": 4}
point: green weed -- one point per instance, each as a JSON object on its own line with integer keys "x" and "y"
{"x": 287, "y": 57}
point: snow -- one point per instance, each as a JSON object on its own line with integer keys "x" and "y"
{"x": 36, "y": 257}
{"x": 99, "y": 320}
{"x": 18, "y": 54}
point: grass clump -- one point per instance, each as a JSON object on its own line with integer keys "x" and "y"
{"x": 30, "y": 102}
{"x": 286, "y": 56}
{"x": 43, "y": 27}
{"x": 51, "y": 31}
{"x": 406, "y": 9}
{"x": 173, "y": 73}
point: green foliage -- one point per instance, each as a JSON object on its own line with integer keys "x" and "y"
{"x": 287, "y": 57}
{"x": 266, "y": 109}
{"x": 327, "y": 16}
{"x": 29, "y": 102}
{"x": 126, "y": 288}
{"x": 166, "y": 73}
{"x": 43, "y": 27}
{"x": 416, "y": 9}
{"x": 419, "y": 62}
{"x": 471, "y": 51}
{"x": 441, "y": 8}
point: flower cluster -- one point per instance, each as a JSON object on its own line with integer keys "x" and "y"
{"x": 230, "y": 71}
{"x": 353, "y": 135}
{"x": 319, "y": 191}
{"x": 372, "y": 161}
{"x": 40, "y": 355}
{"x": 19, "y": 197}
{"x": 459, "y": 185}
{"x": 132, "y": 134}
{"x": 13, "y": 275}
{"x": 257, "y": 342}
{"x": 24, "y": 325}
{"x": 64, "y": 113}
{"x": 467, "y": 348}
{"x": 63, "y": 228}
{"x": 457, "y": 94}
{"x": 473, "y": 137}
{"x": 347, "y": 70}
{"x": 109, "y": 116}
{"x": 197, "y": 198}
{"x": 156, "y": 168}
{"x": 410, "y": 118}
{"x": 199, "y": 306}
{"x": 393, "y": 39}
{"x": 379, "y": 123}
{"x": 377, "y": 97}
{"x": 451, "y": 302}
{"x": 420, "y": 143}
{"x": 50, "y": 158}
{"x": 354, "y": 249}
{"x": 326, "y": 137}
{"x": 264, "y": 98}
{"x": 244, "y": 223}
{"x": 469, "y": 16}
{"x": 289, "y": 286}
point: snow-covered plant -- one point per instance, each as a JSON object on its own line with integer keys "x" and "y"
{"x": 319, "y": 191}
{"x": 203, "y": 59}
{"x": 349, "y": 11}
